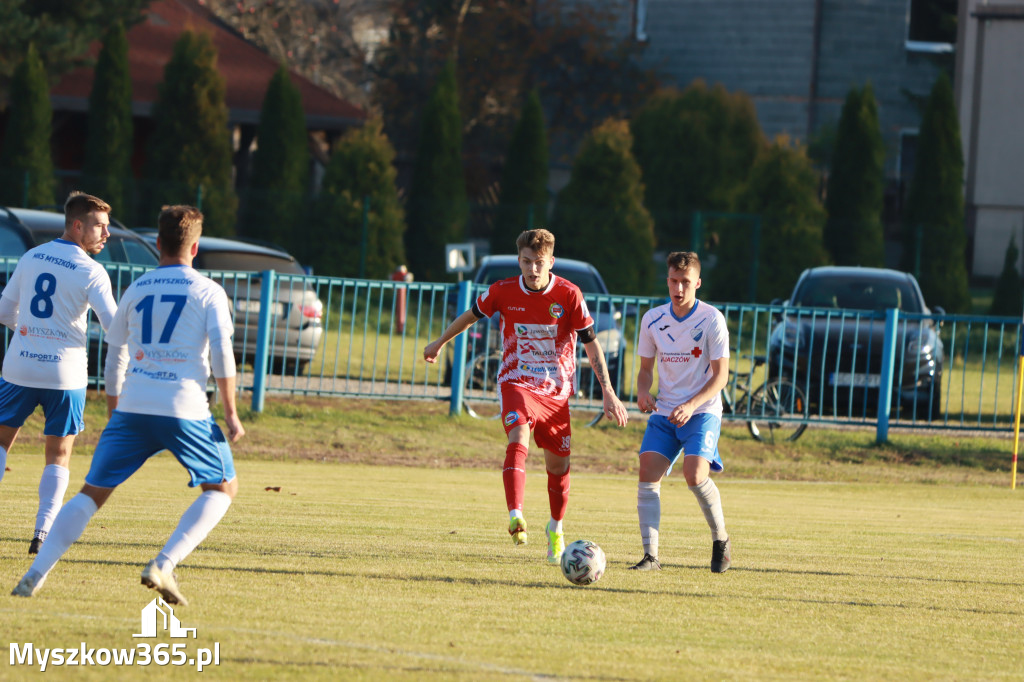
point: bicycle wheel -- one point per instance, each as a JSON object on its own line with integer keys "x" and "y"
{"x": 480, "y": 399}
{"x": 774, "y": 399}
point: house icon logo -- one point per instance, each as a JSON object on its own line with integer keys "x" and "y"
{"x": 158, "y": 611}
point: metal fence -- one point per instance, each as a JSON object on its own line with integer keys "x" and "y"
{"x": 364, "y": 338}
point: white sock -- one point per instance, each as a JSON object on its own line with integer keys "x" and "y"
{"x": 196, "y": 523}
{"x": 52, "y": 486}
{"x": 555, "y": 526}
{"x": 515, "y": 514}
{"x": 3, "y": 461}
{"x": 68, "y": 526}
{"x": 710, "y": 502}
{"x": 648, "y": 510}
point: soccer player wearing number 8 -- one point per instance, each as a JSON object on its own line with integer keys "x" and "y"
{"x": 169, "y": 322}
{"x": 46, "y": 303}
{"x": 690, "y": 342}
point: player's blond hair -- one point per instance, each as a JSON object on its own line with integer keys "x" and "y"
{"x": 80, "y": 204}
{"x": 680, "y": 260}
{"x": 178, "y": 227}
{"x": 540, "y": 241}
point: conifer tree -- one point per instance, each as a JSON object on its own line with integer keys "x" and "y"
{"x": 935, "y": 205}
{"x": 361, "y": 168}
{"x": 190, "y": 150}
{"x": 524, "y": 179}
{"x": 783, "y": 191}
{"x": 600, "y": 215}
{"x": 280, "y": 167}
{"x": 437, "y": 208}
{"x": 107, "y": 170}
{"x": 1008, "y": 298}
{"x": 853, "y": 233}
{"x": 26, "y": 166}
{"x": 696, "y": 148}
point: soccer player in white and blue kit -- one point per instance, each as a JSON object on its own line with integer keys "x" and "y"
{"x": 46, "y": 304}
{"x": 690, "y": 342}
{"x": 168, "y": 322}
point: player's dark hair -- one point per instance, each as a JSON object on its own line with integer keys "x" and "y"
{"x": 80, "y": 204}
{"x": 540, "y": 241}
{"x": 680, "y": 260}
{"x": 178, "y": 227}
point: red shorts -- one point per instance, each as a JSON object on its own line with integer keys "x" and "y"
{"x": 548, "y": 418}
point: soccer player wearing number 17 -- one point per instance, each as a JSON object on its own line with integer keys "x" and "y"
{"x": 46, "y": 303}
{"x": 690, "y": 342}
{"x": 541, "y": 316}
{"x": 169, "y": 321}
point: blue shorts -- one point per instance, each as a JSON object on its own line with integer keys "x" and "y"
{"x": 63, "y": 410}
{"x": 699, "y": 436}
{"x": 130, "y": 439}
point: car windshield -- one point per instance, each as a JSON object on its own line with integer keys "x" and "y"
{"x": 857, "y": 293}
{"x": 586, "y": 281}
{"x": 246, "y": 262}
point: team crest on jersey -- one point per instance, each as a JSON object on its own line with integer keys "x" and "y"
{"x": 511, "y": 418}
{"x": 556, "y": 310}
{"x": 697, "y": 334}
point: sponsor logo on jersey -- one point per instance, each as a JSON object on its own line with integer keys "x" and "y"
{"x": 536, "y": 331}
{"x": 696, "y": 351}
{"x": 511, "y": 418}
{"x": 675, "y": 357}
{"x": 39, "y": 357}
{"x": 140, "y": 355}
{"x": 45, "y": 332}
{"x": 167, "y": 355}
{"x": 159, "y": 376}
{"x": 556, "y": 310}
{"x": 517, "y": 308}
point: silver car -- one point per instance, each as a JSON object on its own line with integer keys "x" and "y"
{"x": 296, "y": 328}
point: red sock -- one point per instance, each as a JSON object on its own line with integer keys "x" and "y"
{"x": 558, "y": 494}
{"x": 514, "y": 475}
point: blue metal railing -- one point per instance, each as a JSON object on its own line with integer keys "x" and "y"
{"x": 306, "y": 335}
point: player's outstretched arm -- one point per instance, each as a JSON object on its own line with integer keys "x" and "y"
{"x": 458, "y": 325}
{"x": 226, "y": 386}
{"x": 613, "y": 407}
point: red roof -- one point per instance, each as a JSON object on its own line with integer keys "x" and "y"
{"x": 245, "y": 67}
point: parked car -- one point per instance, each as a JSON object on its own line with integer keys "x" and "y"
{"x": 297, "y": 314}
{"x": 830, "y": 348}
{"x": 23, "y": 228}
{"x": 606, "y": 318}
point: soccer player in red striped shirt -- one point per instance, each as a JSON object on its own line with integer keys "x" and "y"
{"x": 542, "y": 316}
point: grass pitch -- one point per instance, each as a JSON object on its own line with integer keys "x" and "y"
{"x": 360, "y": 572}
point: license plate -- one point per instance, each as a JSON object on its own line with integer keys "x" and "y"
{"x": 855, "y": 380}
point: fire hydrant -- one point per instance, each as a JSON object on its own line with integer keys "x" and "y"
{"x": 400, "y": 274}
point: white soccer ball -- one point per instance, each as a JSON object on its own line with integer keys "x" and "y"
{"x": 583, "y": 562}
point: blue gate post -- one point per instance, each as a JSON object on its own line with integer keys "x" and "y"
{"x": 892, "y": 317}
{"x": 260, "y": 363}
{"x": 459, "y": 361}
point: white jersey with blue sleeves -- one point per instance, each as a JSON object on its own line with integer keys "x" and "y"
{"x": 684, "y": 348}
{"x": 54, "y": 285}
{"x": 169, "y": 319}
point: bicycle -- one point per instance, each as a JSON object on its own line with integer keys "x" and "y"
{"x": 770, "y": 403}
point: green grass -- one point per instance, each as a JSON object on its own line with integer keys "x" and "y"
{"x": 859, "y": 562}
